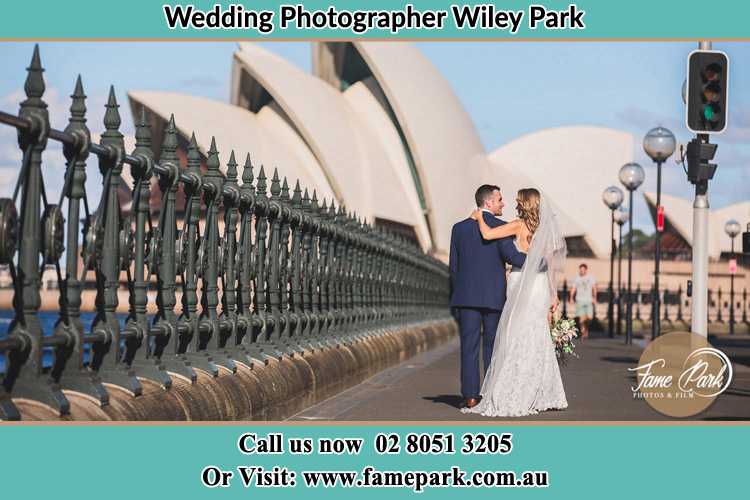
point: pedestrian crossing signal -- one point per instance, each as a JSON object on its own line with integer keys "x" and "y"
{"x": 706, "y": 93}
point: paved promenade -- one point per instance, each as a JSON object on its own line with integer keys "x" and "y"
{"x": 597, "y": 386}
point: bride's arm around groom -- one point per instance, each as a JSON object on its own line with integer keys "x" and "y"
{"x": 514, "y": 228}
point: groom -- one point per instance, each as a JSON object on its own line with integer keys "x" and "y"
{"x": 477, "y": 269}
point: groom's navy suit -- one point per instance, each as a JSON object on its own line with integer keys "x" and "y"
{"x": 478, "y": 285}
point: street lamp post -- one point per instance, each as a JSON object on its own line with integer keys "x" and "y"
{"x": 659, "y": 144}
{"x": 612, "y": 197}
{"x": 732, "y": 228}
{"x": 631, "y": 176}
{"x": 621, "y": 217}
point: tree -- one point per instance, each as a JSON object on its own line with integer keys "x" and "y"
{"x": 642, "y": 242}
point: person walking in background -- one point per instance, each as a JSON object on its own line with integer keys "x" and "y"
{"x": 583, "y": 293}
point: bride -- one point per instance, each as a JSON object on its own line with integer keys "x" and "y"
{"x": 523, "y": 377}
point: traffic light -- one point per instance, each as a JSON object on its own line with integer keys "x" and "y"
{"x": 699, "y": 156}
{"x": 707, "y": 87}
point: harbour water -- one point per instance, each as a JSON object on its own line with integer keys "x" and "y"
{"x": 48, "y": 320}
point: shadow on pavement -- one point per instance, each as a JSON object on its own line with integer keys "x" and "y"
{"x": 621, "y": 359}
{"x": 446, "y": 399}
{"x": 738, "y": 392}
{"x": 718, "y": 419}
{"x": 737, "y": 348}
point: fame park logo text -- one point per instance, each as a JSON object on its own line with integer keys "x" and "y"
{"x": 680, "y": 375}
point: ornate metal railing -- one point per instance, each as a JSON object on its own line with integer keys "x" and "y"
{"x": 727, "y": 310}
{"x": 286, "y": 273}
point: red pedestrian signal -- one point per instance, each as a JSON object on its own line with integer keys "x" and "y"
{"x": 660, "y": 219}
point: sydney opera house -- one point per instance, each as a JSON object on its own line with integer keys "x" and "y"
{"x": 678, "y": 226}
{"x": 378, "y": 129}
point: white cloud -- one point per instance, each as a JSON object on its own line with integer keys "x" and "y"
{"x": 13, "y": 99}
{"x": 7, "y": 180}
{"x": 53, "y": 161}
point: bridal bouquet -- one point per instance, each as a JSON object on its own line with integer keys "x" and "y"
{"x": 563, "y": 331}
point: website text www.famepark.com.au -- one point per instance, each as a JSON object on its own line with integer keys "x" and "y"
{"x": 369, "y": 477}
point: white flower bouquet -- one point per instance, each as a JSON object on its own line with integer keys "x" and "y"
{"x": 563, "y": 331}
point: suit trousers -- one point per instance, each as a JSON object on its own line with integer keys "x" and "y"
{"x": 475, "y": 324}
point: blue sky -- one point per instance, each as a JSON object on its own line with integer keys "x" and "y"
{"x": 509, "y": 89}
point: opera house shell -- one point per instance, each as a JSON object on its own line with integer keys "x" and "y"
{"x": 678, "y": 223}
{"x": 378, "y": 129}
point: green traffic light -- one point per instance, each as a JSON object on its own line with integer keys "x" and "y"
{"x": 710, "y": 113}
{"x": 706, "y": 99}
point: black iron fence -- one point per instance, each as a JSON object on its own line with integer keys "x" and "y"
{"x": 272, "y": 272}
{"x": 676, "y": 307}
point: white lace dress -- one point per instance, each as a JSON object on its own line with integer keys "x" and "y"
{"x": 527, "y": 380}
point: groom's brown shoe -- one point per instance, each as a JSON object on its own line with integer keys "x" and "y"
{"x": 471, "y": 403}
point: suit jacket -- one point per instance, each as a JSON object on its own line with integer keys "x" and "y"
{"x": 477, "y": 266}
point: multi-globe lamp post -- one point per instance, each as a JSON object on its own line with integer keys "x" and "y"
{"x": 732, "y": 228}
{"x": 621, "y": 217}
{"x": 612, "y": 197}
{"x": 631, "y": 177}
{"x": 659, "y": 144}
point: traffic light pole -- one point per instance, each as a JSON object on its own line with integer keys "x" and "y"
{"x": 700, "y": 177}
{"x": 700, "y": 256}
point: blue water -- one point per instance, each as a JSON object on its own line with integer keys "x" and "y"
{"x": 48, "y": 320}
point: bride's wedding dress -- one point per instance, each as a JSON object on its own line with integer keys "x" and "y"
{"x": 524, "y": 377}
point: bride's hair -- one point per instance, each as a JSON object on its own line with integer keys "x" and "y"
{"x": 528, "y": 209}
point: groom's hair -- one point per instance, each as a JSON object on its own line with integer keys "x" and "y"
{"x": 484, "y": 192}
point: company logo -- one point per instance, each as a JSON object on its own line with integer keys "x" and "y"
{"x": 680, "y": 374}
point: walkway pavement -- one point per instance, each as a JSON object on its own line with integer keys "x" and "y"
{"x": 597, "y": 386}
